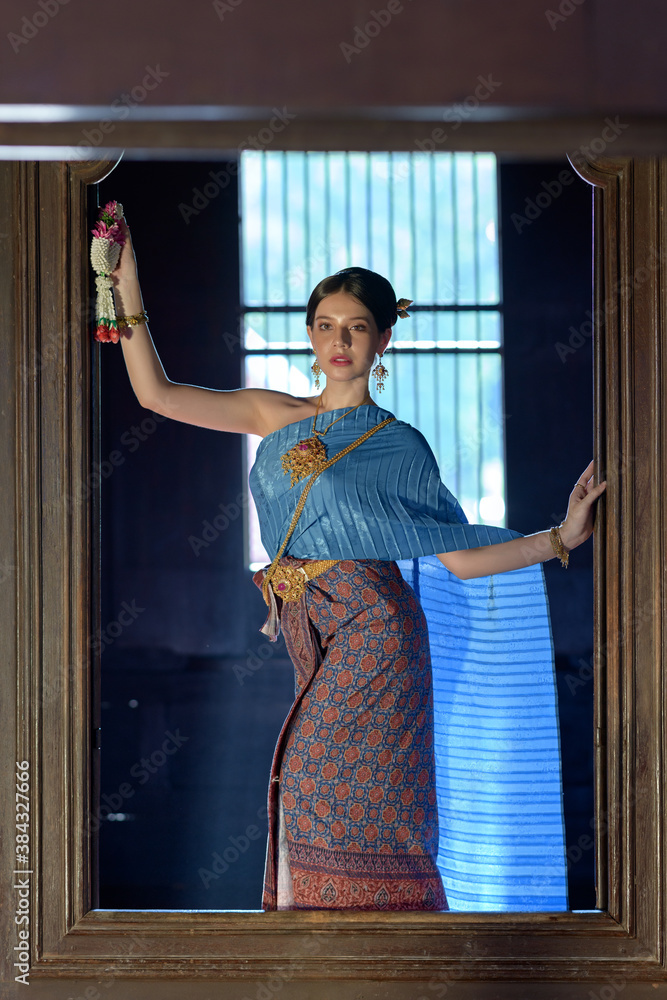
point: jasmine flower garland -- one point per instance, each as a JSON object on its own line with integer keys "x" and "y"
{"x": 104, "y": 255}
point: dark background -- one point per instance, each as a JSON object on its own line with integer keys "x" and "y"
{"x": 189, "y": 685}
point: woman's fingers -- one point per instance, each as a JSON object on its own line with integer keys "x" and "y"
{"x": 594, "y": 493}
{"x": 587, "y": 476}
{"x": 588, "y": 472}
{"x": 580, "y": 508}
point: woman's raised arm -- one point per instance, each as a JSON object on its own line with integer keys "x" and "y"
{"x": 245, "y": 411}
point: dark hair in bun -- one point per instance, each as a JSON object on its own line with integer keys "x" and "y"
{"x": 376, "y": 293}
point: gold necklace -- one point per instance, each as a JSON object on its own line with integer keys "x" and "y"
{"x": 309, "y": 455}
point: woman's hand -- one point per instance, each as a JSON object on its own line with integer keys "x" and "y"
{"x": 126, "y": 270}
{"x": 578, "y": 523}
{"x": 127, "y": 293}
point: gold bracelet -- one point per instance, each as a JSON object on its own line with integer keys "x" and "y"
{"x": 124, "y": 321}
{"x": 558, "y": 547}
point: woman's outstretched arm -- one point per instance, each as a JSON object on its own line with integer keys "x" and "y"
{"x": 246, "y": 411}
{"x": 516, "y": 553}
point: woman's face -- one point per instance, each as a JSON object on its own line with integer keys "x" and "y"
{"x": 345, "y": 337}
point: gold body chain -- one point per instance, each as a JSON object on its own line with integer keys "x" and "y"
{"x": 289, "y": 572}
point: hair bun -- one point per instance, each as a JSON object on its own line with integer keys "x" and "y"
{"x": 373, "y": 290}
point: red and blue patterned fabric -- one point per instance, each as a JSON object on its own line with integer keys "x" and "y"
{"x": 354, "y": 761}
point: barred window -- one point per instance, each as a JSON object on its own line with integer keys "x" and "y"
{"x": 428, "y": 222}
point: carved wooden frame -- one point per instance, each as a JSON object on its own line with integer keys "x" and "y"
{"x": 46, "y": 613}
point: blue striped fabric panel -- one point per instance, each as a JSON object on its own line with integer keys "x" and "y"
{"x": 384, "y": 500}
{"x": 497, "y": 744}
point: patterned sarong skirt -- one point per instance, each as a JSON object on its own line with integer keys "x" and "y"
{"x": 352, "y": 805}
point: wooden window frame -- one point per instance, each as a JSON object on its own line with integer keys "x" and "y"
{"x": 46, "y": 615}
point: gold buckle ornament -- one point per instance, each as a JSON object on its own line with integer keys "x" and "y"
{"x": 289, "y": 582}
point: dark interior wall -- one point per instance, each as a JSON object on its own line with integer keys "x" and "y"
{"x": 193, "y": 696}
{"x": 181, "y": 541}
{"x": 546, "y": 225}
{"x": 586, "y": 57}
{"x": 546, "y": 233}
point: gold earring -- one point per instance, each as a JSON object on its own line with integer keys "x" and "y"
{"x": 380, "y": 373}
{"x": 317, "y": 371}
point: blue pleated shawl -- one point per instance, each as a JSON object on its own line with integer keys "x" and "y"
{"x": 497, "y": 745}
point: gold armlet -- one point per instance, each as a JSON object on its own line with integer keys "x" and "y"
{"x": 124, "y": 321}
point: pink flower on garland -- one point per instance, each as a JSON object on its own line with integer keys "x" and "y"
{"x": 107, "y": 226}
{"x": 103, "y": 231}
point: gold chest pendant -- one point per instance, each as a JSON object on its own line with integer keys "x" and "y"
{"x": 304, "y": 458}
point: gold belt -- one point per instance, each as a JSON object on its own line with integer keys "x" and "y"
{"x": 289, "y": 582}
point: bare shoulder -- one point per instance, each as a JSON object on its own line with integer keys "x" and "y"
{"x": 276, "y": 409}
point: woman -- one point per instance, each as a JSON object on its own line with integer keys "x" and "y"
{"x": 344, "y": 491}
